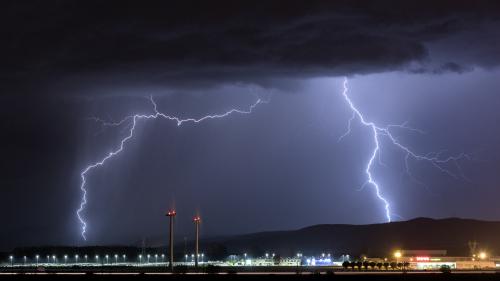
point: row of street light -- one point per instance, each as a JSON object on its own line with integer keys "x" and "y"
{"x": 48, "y": 259}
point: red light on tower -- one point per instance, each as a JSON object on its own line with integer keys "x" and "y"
{"x": 171, "y": 213}
{"x": 197, "y": 219}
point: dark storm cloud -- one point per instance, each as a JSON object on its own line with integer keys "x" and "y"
{"x": 444, "y": 68}
{"x": 190, "y": 42}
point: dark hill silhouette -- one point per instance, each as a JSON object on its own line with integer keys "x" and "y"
{"x": 380, "y": 240}
{"x": 375, "y": 240}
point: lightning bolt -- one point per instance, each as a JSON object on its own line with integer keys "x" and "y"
{"x": 133, "y": 121}
{"x": 435, "y": 159}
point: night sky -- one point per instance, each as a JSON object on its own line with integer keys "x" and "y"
{"x": 432, "y": 64}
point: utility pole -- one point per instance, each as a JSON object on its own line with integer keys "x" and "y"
{"x": 143, "y": 246}
{"x": 171, "y": 214}
{"x": 185, "y": 245}
{"x": 196, "y": 221}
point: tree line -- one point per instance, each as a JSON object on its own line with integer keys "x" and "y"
{"x": 366, "y": 265}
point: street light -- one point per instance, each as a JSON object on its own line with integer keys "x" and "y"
{"x": 54, "y": 258}
{"x": 65, "y": 258}
{"x": 107, "y": 259}
{"x": 11, "y": 258}
{"x": 186, "y": 256}
{"x": 48, "y": 259}
{"x": 267, "y": 255}
{"x": 162, "y": 257}
{"x": 37, "y": 257}
{"x": 86, "y": 258}
{"x": 156, "y": 258}
{"x": 140, "y": 259}
{"x": 482, "y": 255}
{"x": 397, "y": 255}
{"x": 96, "y": 258}
{"x": 24, "y": 260}
{"x": 116, "y": 258}
{"x": 124, "y": 258}
{"x": 148, "y": 257}
{"x": 76, "y": 258}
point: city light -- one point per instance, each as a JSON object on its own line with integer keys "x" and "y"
{"x": 482, "y": 255}
{"x": 321, "y": 259}
{"x": 397, "y": 254}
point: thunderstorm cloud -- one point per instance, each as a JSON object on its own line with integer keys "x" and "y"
{"x": 192, "y": 43}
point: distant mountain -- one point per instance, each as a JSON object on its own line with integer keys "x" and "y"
{"x": 380, "y": 240}
{"x": 374, "y": 240}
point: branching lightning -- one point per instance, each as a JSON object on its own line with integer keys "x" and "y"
{"x": 133, "y": 122}
{"x": 434, "y": 158}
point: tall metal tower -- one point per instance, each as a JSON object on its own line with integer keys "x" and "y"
{"x": 196, "y": 221}
{"x": 171, "y": 214}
